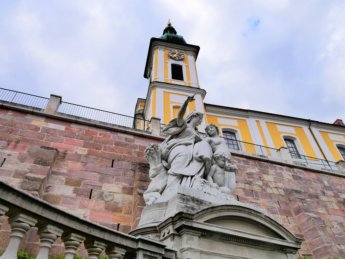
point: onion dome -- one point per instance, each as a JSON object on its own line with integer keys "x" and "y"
{"x": 170, "y": 34}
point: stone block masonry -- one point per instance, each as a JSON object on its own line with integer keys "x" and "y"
{"x": 100, "y": 174}
{"x": 308, "y": 203}
{"x": 94, "y": 173}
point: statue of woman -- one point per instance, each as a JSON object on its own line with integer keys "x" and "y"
{"x": 185, "y": 155}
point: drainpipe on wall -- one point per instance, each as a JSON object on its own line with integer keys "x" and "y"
{"x": 317, "y": 143}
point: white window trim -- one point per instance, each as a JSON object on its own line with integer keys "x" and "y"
{"x": 297, "y": 144}
{"x": 237, "y": 135}
{"x": 183, "y": 70}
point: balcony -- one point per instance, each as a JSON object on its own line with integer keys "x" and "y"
{"x": 25, "y": 212}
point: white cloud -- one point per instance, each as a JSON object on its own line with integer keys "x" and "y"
{"x": 268, "y": 55}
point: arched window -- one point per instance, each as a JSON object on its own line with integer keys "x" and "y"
{"x": 291, "y": 146}
{"x": 231, "y": 140}
{"x": 341, "y": 151}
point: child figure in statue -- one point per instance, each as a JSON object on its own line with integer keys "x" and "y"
{"x": 217, "y": 143}
{"x": 222, "y": 170}
{"x": 216, "y": 175}
{"x": 230, "y": 170}
{"x": 222, "y": 174}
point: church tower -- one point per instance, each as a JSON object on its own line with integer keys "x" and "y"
{"x": 172, "y": 74}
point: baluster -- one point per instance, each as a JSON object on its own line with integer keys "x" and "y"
{"x": 20, "y": 223}
{"x": 94, "y": 248}
{"x": 72, "y": 242}
{"x": 3, "y": 210}
{"x": 48, "y": 234}
{"x": 114, "y": 252}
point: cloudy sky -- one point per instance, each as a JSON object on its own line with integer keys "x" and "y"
{"x": 279, "y": 56}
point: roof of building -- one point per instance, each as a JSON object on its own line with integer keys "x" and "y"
{"x": 337, "y": 125}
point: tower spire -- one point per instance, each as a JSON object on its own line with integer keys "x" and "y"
{"x": 170, "y": 34}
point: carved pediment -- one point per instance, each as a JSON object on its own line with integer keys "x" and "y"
{"x": 245, "y": 221}
{"x": 225, "y": 231}
{"x": 242, "y": 225}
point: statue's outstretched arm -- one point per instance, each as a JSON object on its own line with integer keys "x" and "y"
{"x": 183, "y": 109}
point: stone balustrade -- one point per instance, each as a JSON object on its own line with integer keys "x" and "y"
{"x": 25, "y": 211}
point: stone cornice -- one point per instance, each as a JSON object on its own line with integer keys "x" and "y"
{"x": 187, "y": 89}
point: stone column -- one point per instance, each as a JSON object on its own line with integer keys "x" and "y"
{"x": 53, "y": 104}
{"x": 114, "y": 252}
{"x": 19, "y": 225}
{"x": 3, "y": 210}
{"x": 48, "y": 234}
{"x": 155, "y": 126}
{"x": 72, "y": 242}
{"x": 94, "y": 248}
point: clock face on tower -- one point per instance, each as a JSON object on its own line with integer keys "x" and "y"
{"x": 176, "y": 55}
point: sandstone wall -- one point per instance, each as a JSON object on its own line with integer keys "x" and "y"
{"x": 97, "y": 174}
{"x": 100, "y": 175}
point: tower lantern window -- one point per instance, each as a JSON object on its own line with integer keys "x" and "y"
{"x": 176, "y": 72}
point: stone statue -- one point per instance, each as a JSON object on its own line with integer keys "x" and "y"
{"x": 218, "y": 145}
{"x": 221, "y": 165}
{"x": 157, "y": 173}
{"x": 186, "y": 158}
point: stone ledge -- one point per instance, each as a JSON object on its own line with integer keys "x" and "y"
{"x": 74, "y": 119}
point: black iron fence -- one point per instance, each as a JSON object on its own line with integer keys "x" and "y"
{"x": 313, "y": 162}
{"x": 23, "y": 99}
{"x": 263, "y": 151}
{"x": 75, "y": 110}
{"x": 102, "y": 116}
{"x": 247, "y": 147}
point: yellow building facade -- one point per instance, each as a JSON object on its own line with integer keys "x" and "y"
{"x": 172, "y": 73}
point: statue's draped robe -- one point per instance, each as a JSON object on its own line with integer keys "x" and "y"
{"x": 185, "y": 155}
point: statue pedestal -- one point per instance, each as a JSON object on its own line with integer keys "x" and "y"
{"x": 188, "y": 200}
{"x": 199, "y": 224}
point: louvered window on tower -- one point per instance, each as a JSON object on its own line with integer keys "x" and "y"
{"x": 176, "y": 72}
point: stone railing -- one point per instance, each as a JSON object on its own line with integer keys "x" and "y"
{"x": 25, "y": 212}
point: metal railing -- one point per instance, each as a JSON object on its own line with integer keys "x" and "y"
{"x": 313, "y": 162}
{"x": 247, "y": 147}
{"x": 298, "y": 159}
{"x": 71, "y": 109}
{"x": 103, "y": 116}
{"x": 23, "y": 99}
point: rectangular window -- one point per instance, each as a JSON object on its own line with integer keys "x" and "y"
{"x": 342, "y": 151}
{"x": 291, "y": 146}
{"x": 176, "y": 72}
{"x": 231, "y": 141}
